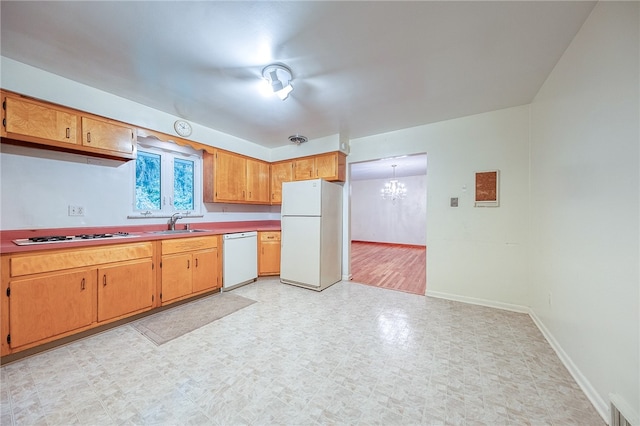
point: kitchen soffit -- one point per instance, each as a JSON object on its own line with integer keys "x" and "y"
{"x": 360, "y": 68}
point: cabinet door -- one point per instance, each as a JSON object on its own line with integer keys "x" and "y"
{"x": 257, "y": 181}
{"x": 44, "y": 307}
{"x": 230, "y": 178}
{"x": 30, "y": 118}
{"x": 304, "y": 168}
{"x": 327, "y": 166}
{"x": 124, "y": 288}
{"x": 107, "y": 135}
{"x": 269, "y": 254}
{"x": 280, "y": 172}
{"x": 205, "y": 270}
{"x": 176, "y": 276}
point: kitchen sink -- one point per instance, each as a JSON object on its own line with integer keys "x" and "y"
{"x": 177, "y": 231}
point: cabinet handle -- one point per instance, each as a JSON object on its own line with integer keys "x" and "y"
{"x": 270, "y": 238}
{"x": 89, "y": 137}
{"x": 82, "y": 284}
{"x": 188, "y": 264}
{"x": 262, "y": 250}
{"x": 68, "y": 133}
{"x": 196, "y": 262}
{"x": 104, "y": 281}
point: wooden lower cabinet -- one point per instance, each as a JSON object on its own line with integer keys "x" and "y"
{"x": 44, "y": 307}
{"x": 176, "y": 277}
{"x": 125, "y": 288}
{"x": 205, "y": 270}
{"x": 189, "y": 266}
{"x": 269, "y": 253}
{"x": 50, "y": 294}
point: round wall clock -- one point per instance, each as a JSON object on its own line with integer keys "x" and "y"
{"x": 182, "y": 128}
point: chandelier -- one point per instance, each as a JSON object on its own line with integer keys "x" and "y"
{"x": 393, "y": 190}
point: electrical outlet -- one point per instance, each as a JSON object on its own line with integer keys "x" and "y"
{"x": 76, "y": 210}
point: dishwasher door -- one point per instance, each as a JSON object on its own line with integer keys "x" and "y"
{"x": 239, "y": 259}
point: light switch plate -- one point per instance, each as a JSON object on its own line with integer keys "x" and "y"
{"x": 454, "y": 201}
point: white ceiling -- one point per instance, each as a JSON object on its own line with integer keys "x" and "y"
{"x": 360, "y": 68}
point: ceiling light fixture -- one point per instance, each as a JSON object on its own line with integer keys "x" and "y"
{"x": 393, "y": 190}
{"x": 279, "y": 79}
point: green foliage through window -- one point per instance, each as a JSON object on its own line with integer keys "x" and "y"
{"x": 182, "y": 184}
{"x": 148, "y": 179}
{"x": 166, "y": 182}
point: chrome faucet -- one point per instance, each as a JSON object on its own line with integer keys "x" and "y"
{"x": 172, "y": 221}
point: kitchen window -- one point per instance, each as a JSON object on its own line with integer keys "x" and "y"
{"x": 167, "y": 180}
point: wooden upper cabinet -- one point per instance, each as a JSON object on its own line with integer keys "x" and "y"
{"x": 107, "y": 135}
{"x": 234, "y": 178}
{"x": 304, "y": 168}
{"x": 331, "y": 166}
{"x": 257, "y": 181}
{"x": 38, "y": 122}
{"x": 280, "y": 172}
{"x": 230, "y": 177}
{"x": 41, "y": 124}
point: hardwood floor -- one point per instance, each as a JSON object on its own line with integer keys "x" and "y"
{"x": 393, "y": 266}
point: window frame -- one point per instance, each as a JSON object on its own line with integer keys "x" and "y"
{"x": 168, "y": 152}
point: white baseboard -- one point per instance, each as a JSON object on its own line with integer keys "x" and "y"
{"x": 481, "y": 302}
{"x": 600, "y": 405}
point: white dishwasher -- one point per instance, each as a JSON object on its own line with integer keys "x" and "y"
{"x": 239, "y": 259}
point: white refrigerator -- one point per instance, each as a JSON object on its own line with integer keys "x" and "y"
{"x": 311, "y": 239}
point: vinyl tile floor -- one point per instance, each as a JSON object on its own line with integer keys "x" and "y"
{"x": 351, "y": 354}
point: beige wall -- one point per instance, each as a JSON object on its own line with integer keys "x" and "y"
{"x": 584, "y": 261}
{"x": 476, "y": 254}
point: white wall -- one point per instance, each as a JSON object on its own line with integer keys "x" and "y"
{"x": 38, "y": 186}
{"x": 585, "y": 204}
{"x": 401, "y": 222}
{"x": 473, "y": 253}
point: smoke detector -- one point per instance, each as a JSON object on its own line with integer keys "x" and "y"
{"x": 298, "y": 139}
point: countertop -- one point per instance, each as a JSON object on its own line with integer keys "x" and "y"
{"x": 138, "y": 233}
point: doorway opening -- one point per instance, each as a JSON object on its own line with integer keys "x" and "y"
{"x": 388, "y": 233}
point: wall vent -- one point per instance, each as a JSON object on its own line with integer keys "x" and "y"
{"x": 298, "y": 139}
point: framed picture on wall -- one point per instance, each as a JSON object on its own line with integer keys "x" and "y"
{"x": 487, "y": 188}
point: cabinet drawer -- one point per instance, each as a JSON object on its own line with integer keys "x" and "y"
{"x": 180, "y": 245}
{"x": 270, "y": 236}
{"x": 77, "y": 258}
